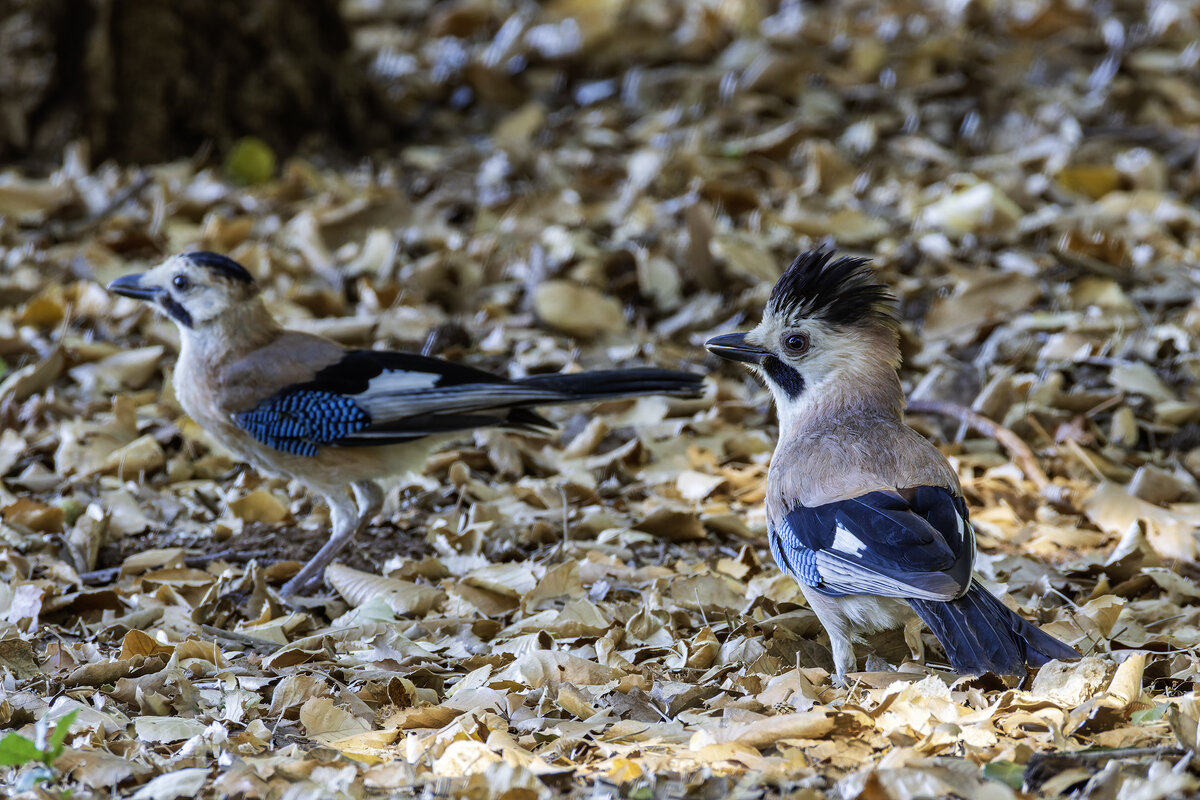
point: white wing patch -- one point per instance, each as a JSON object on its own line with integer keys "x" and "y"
{"x": 401, "y": 381}
{"x": 846, "y": 542}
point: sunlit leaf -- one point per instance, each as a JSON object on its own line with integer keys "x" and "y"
{"x": 15, "y": 750}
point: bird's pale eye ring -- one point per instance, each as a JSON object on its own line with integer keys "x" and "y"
{"x": 181, "y": 283}
{"x": 796, "y": 344}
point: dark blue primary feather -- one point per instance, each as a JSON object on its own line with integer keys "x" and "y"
{"x": 373, "y": 397}
{"x": 980, "y": 634}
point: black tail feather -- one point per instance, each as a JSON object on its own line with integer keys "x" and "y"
{"x": 980, "y": 634}
{"x": 616, "y": 383}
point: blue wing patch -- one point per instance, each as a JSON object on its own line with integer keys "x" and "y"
{"x": 906, "y": 543}
{"x": 800, "y": 562}
{"x": 298, "y": 422}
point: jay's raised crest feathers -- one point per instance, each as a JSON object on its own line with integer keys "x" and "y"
{"x": 863, "y": 511}
{"x": 334, "y": 419}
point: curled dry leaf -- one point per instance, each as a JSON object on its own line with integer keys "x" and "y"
{"x": 765, "y": 732}
{"x": 325, "y": 722}
{"x": 259, "y": 505}
{"x": 403, "y": 597}
{"x": 981, "y": 208}
{"x": 1071, "y": 684}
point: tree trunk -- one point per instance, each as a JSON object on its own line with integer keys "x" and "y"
{"x": 151, "y": 80}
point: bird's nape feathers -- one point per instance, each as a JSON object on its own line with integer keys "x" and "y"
{"x": 841, "y": 292}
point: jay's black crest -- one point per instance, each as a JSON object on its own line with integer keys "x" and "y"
{"x": 224, "y": 266}
{"x": 842, "y": 292}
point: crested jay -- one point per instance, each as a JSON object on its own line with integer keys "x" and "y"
{"x": 863, "y": 511}
{"x": 334, "y": 419}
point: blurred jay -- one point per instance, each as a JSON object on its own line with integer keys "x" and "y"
{"x": 863, "y": 511}
{"x": 335, "y": 419}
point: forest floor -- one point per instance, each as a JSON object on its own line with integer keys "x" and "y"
{"x": 595, "y": 612}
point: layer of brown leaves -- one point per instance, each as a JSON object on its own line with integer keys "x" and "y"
{"x": 610, "y": 182}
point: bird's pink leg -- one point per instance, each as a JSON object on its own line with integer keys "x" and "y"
{"x": 349, "y": 513}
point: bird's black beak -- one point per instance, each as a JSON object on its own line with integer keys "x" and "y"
{"x": 131, "y": 286}
{"x": 734, "y": 347}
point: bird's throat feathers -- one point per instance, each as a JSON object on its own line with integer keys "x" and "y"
{"x": 861, "y": 380}
{"x": 231, "y": 335}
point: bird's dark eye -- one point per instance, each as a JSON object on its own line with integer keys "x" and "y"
{"x": 796, "y": 344}
{"x": 181, "y": 283}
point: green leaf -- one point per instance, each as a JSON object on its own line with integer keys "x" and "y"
{"x": 54, "y": 746}
{"x": 1148, "y": 716}
{"x": 72, "y": 510}
{"x": 16, "y": 750}
{"x": 250, "y": 161}
{"x": 1006, "y": 772}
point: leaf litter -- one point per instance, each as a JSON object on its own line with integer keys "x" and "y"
{"x": 595, "y": 612}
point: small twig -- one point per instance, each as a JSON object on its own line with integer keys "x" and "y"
{"x": 1108, "y": 755}
{"x": 1164, "y": 619}
{"x": 1042, "y": 767}
{"x": 245, "y": 639}
{"x": 75, "y": 229}
{"x": 1024, "y": 458}
{"x": 230, "y": 555}
{"x": 565, "y": 542}
{"x": 99, "y": 577}
{"x": 1065, "y": 599}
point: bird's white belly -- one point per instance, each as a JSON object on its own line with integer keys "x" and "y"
{"x": 867, "y": 614}
{"x": 857, "y": 614}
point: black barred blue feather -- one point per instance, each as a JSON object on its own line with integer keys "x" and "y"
{"x": 800, "y": 562}
{"x": 298, "y": 421}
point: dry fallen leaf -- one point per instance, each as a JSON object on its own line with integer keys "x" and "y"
{"x": 577, "y": 310}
